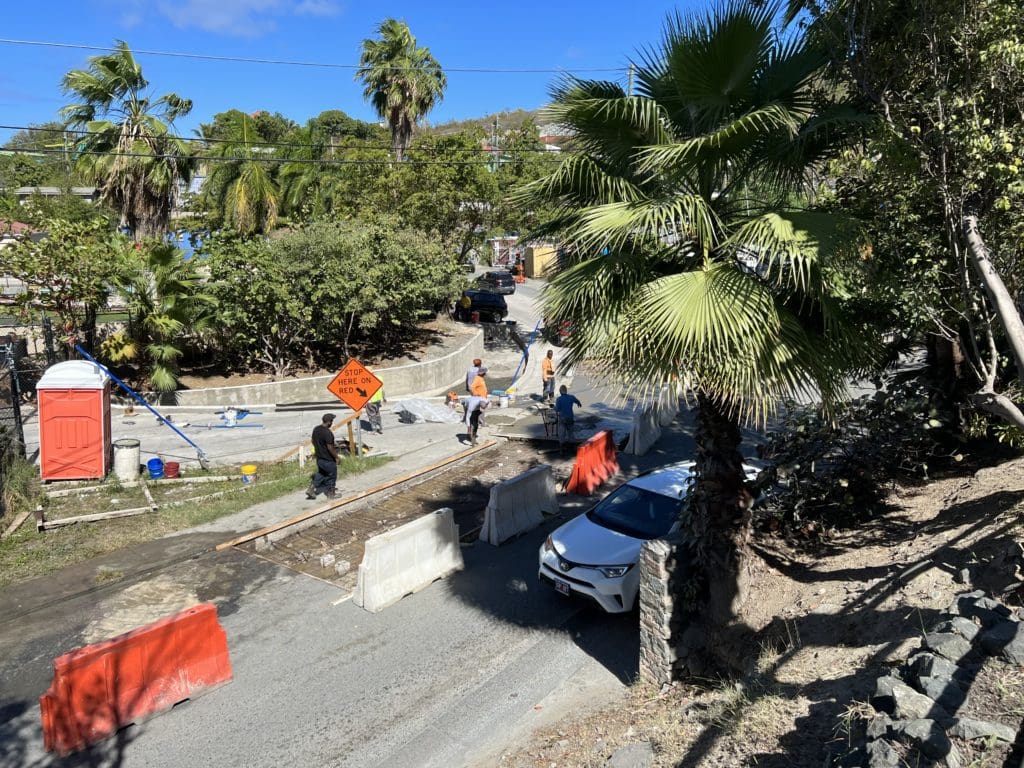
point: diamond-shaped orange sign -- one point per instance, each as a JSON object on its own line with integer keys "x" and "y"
{"x": 354, "y": 385}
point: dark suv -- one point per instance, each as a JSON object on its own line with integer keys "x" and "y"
{"x": 498, "y": 282}
{"x": 491, "y": 306}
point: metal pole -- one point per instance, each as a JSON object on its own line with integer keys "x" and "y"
{"x": 19, "y": 429}
{"x": 629, "y": 90}
{"x": 203, "y": 458}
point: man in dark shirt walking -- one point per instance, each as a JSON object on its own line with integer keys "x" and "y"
{"x": 326, "y": 477}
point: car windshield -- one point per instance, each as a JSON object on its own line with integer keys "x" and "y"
{"x": 636, "y": 512}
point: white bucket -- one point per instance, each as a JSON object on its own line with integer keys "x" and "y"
{"x": 503, "y": 401}
{"x": 126, "y": 459}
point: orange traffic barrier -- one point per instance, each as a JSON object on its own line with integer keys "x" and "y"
{"x": 596, "y": 461}
{"x": 100, "y": 688}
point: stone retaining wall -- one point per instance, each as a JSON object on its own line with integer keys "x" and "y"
{"x": 428, "y": 376}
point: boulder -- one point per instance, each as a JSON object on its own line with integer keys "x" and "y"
{"x": 1006, "y": 640}
{"x": 947, "y": 644}
{"x": 925, "y": 664}
{"x": 895, "y": 697}
{"x": 880, "y": 726}
{"x": 882, "y": 755}
{"x": 944, "y": 691}
{"x": 928, "y": 736}
{"x": 958, "y": 625}
{"x": 640, "y": 755}
{"x": 968, "y": 728}
{"x": 975, "y": 605}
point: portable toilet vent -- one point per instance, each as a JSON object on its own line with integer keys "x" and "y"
{"x": 74, "y": 422}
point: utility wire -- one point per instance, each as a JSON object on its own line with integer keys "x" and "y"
{"x": 290, "y": 63}
{"x": 246, "y": 158}
{"x": 283, "y": 144}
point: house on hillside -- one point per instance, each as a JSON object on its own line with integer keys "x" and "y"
{"x": 24, "y": 194}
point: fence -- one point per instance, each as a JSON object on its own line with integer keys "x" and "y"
{"x": 12, "y": 435}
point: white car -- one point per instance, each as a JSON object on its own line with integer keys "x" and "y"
{"x": 597, "y": 554}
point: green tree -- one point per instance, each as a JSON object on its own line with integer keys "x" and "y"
{"x": 692, "y": 256}
{"x": 402, "y": 80}
{"x": 240, "y": 189}
{"x": 447, "y": 188}
{"x": 264, "y": 316}
{"x": 167, "y": 300}
{"x": 947, "y": 81}
{"x": 129, "y": 149}
{"x": 69, "y": 273}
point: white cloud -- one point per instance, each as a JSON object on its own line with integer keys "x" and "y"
{"x": 317, "y": 8}
{"x": 237, "y": 18}
{"x": 242, "y": 18}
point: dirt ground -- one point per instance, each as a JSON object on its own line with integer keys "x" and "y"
{"x": 828, "y": 622}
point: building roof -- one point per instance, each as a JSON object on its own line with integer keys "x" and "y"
{"x": 55, "y": 191}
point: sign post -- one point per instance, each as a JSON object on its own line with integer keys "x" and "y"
{"x": 354, "y": 386}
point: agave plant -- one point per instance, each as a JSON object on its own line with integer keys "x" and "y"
{"x": 692, "y": 251}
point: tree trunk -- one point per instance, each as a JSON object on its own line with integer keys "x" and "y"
{"x": 1002, "y": 301}
{"x": 718, "y": 539}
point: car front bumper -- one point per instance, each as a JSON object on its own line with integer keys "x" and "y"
{"x": 616, "y": 595}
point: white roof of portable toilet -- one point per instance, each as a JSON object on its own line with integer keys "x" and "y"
{"x": 73, "y": 374}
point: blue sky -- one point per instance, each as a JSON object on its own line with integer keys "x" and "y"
{"x": 573, "y": 35}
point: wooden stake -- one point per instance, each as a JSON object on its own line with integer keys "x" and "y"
{"x": 47, "y": 524}
{"x": 355, "y": 497}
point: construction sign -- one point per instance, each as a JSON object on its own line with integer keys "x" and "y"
{"x": 354, "y": 385}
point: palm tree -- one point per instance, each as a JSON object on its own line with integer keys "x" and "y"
{"x": 166, "y": 299}
{"x": 241, "y": 186}
{"x": 129, "y": 149}
{"x": 691, "y": 257}
{"x": 403, "y": 81}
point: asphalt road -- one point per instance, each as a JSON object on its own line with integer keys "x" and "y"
{"x": 439, "y": 679}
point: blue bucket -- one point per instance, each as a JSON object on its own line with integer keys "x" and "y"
{"x": 156, "y": 468}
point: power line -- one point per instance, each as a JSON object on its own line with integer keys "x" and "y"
{"x": 245, "y": 158}
{"x": 315, "y": 64}
{"x": 275, "y": 144}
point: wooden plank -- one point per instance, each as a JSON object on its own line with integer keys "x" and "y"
{"x": 58, "y": 492}
{"x": 149, "y": 496}
{"x": 16, "y": 524}
{"x": 355, "y": 497}
{"x": 47, "y": 524}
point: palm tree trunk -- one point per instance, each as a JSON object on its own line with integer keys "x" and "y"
{"x": 718, "y": 538}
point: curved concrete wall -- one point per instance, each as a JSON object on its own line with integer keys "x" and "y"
{"x": 414, "y": 378}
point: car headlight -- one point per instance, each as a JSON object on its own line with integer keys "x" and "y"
{"x": 614, "y": 571}
{"x": 549, "y": 545}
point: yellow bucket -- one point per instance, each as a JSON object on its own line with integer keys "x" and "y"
{"x": 248, "y": 474}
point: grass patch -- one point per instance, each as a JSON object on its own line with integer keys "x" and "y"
{"x": 29, "y": 553}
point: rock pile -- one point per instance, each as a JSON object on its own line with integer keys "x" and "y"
{"x": 916, "y": 706}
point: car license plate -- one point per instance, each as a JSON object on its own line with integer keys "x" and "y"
{"x": 562, "y": 587}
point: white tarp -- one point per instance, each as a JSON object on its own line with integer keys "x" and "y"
{"x": 516, "y": 505}
{"x": 407, "y": 559}
{"x": 417, "y": 411}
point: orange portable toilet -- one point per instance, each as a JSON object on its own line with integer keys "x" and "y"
{"x": 74, "y": 422}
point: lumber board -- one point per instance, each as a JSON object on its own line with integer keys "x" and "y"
{"x": 354, "y": 497}
{"x": 16, "y": 523}
{"x": 47, "y": 524}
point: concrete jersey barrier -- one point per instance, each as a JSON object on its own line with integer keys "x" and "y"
{"x": 645, "y": 431}
{"x": 517, "y": 505}
{"x": 407, "y": 559}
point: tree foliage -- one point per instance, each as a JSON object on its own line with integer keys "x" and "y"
{"x": 69, "y": 273}
{"x": 694, "y": 254}
{"x": 310, "y": 295}
{"x": 402, "y": 80}
{"x": 128, "y": 148}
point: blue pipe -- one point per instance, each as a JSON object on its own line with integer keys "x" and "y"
{"x": 526, "y": 353}
{"x": 203, "y": 458}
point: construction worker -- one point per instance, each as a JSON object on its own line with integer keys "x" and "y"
{"x": 479, "y": 386}
{"x": 547, "y": 375}
{"x": 372, "y": 409}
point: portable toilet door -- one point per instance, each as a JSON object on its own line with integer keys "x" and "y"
{"x": 74, "y": 422}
